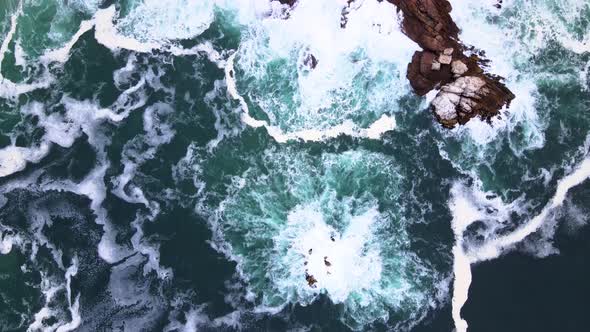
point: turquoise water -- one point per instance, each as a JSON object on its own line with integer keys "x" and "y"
{"x": 177, "y": 165}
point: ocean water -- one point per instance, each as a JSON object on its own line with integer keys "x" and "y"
{"x": 179, "y": 165}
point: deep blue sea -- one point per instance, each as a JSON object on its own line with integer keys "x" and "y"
{"x": 177, "y": 165}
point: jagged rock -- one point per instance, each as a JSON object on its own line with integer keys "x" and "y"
{"x": 458, "y": 96}
{"x": 458, "y": 67}
{"x": 288, "y": 2}
{"x": 468, "y": 97}
{"x": 466, "y": 90}
{"x": 425, "y": 72}
{"x": 435, "y": 66}
{"x": 445, "y": 59}
{"x": 428, "y": 23}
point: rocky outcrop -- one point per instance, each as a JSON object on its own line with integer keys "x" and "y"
{"x": 466, "y": 90}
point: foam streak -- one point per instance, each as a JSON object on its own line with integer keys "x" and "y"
{"x": 9, "y": 35}
{"x": 495, "y": 247}
{"x": 375, "y": 131}
{"x": 465, "y": 212}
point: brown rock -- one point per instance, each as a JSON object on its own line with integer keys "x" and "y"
{"x": 448, "y": 51}
{"x": 445, "y": 59}
{"x": 466, "y": 90}
{"x": 423, "y": 78}
{"x": 458, "y": 67}
{"x": 311, "y": 280}
{"x": 429, "y": 23}
{"x": 468, "y": 97}
{"x": 435, "y": 66}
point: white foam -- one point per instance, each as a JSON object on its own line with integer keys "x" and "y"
{"x": 62, "y": 54}
{"x": 326, "y": 101}
{"x": 461, "y": 284}
{"x": 202, "y": 48}
{"x": 555, "y": 20}
{"x": 146, "y": 30}
{"x": 92, "y": 186}
{"x": 577, "y": 216}
{"x": 106, "y": 33}
{"x": 585, "y": 76}
{"x": 52, "y": 284}
{"x": 134, "y": 155}
{"x": 378, "y": 128}
{"x": 7, "y": 242}
{"x": 73, "y": 306}
{"x": 371, "y": 272}
{"x": 76, "y": 318}
{"x": 161, "y": 21}
{"x": 9, "y": 89}
{"x": 143, "y": 147}
{"x": 127, "y": 288}
{"x": 12, "y": 160}
{"x": 195, "y": 318}
{"x": 6, "y": 245}
{"x": 495, "y": 247}
{"x": 80, "y": 117}
{"x": 19, "y": 54}
{"x": 464, "y": 214}
{"x": 88, "y": 117}
{"x": 507, "y": 52}
{"x": 518, "y": 32}
{"x": 465, "y": 209}
{"x": 353, "y": 266}
{"x": 10, "y": 34}
{"x": 375, "y": 131}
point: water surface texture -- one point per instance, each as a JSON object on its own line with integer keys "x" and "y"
{"x": 178, "y": 165}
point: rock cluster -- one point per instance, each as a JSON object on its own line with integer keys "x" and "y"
{"x": 466, "y": 91}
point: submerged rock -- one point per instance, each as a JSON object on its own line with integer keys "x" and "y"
{"x": 288, "y": 2}
{"x": 465, "y": 90}
{"x": 310, "y": 61}
{"x": 311, "y": 280}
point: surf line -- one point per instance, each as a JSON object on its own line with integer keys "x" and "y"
{"x": 374, "y": 131}
{"x": 465, "y": 213}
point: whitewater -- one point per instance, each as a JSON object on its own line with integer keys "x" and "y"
{"x": 184, "y": 165}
